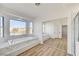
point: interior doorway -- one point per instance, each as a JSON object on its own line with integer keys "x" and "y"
{"x": 64, "y": 31}
{"x": 64, "y": 35}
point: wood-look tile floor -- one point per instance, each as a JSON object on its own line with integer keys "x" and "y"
{"x": 51, "y": 47}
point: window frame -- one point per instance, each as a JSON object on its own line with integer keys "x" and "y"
{"x": 16, "y": 19}
{"x": 23, "y": 20}
{"x": 30, "y": 22}
{"x": 2, "y": 27}
{"x": 43, "y": 28}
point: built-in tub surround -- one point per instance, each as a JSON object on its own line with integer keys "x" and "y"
{"x": 17, "y": 45}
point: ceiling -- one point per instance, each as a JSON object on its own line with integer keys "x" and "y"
{"x": 45, "y": 9}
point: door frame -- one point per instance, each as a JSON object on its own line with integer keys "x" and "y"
{"x": 66, "y": 29}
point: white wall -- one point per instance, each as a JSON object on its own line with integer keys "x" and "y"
{"x": 70, "y": 44}
{"x": 38, "y": 29}
{"x": 49, "y": 28}
{"x": 54, "y": 27}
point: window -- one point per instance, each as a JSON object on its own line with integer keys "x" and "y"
{"x": 29, "y": 27}
{"x": 17, "y": 27}
{"x": 1, "y": 26}
{"x": 43, "y": 27}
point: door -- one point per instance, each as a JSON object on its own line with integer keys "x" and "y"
{"x": 64, "y": 31}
